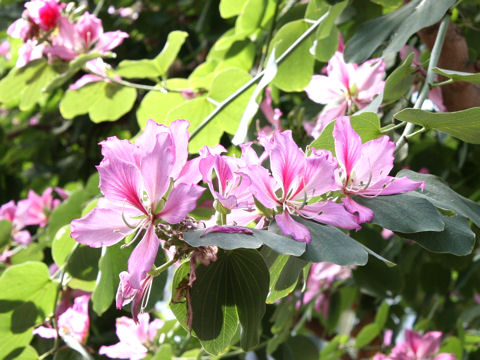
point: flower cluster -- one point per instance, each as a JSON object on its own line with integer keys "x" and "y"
{"x": 417, "y": 347}
{"x": 149, "y": 189}
{"x": 47, "y": 29}
{"x": 34, "y": 210}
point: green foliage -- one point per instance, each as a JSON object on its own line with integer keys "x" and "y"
{"x": 5, "y": 231}
{"x": 27, "y": 298}
{"x": 396, "y": 27}
{"x": 464, "y": 124}
{"x": 473, "y": 78}
{"x": 399, "y": 81}
{"x": 227, "y": 293}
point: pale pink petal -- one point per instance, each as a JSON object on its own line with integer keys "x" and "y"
{"x": 324, "y": 90}
{"x": 120, "y": 182}
{"x": 318, "y": 176}
{"x": 156, "y": 166}
{"x": 84, "y": 80}
{"x": 340, "y": 71}
{"x": 348, "y": 144}
{"x": 181, "y": 201}
{"x": 110, "y": 40}
{"x": 445, "y": 356}
{"x": 20, "y": 28}
{"x": 143, "y": 257}
{"x": 124, "y": 351}
{"x": 8, "y": 210}
{"x": 228, "y": 229}
{"x": 61, "y": 52}
{"x": 262, "y": 185}
{"x": 328, "y": 114}
{"x": 330, "y": 213}
{"x": 123, "y": 150}
{"x": 179, "y": 131}
{"x": 44, "y": 332}
{"x": 430, "y": 344}
{"x": 22, "y": 237}
{"x": 287, "y": 162}
{"x": 392, "y": 185}
{"x": 89, "y": 29}
{"x": 290, "y": 227}
{"x": 363, "y": 213}
{"x": 436, "y": 96}
{"x": 413, "y": 340}
{"x": 368, "y": 79}
{"x": 100, "y": 227}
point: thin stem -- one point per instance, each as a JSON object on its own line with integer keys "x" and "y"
{"x": 240, "y": 351}
{"x": 437, "y": 49}
{"x": 132, "y": 85}
{"x": 158, "y": 270}
{"x": 246, "y": 86}
{"x": 416, "y": 133}
{"x": 391, "y": 127}
{"x": 446, "y": 82}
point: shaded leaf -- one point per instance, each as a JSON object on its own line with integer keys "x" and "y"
{"x": 473, "y": 78}
{"x": 399, "y": 81}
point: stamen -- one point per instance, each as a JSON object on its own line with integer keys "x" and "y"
{"x": 138, "y": 229}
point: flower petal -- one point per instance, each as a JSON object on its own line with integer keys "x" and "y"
{"x": 143, "y": 257}
{"x": 181, "y": 201}
{"x": 290, "y": 227}
{"x": 348, "y": 144}
{"x": 363, "y": 213}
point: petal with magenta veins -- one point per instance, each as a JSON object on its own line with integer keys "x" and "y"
{"x": 290, "y": 227}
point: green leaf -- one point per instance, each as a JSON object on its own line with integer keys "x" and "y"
{"x": 473, "y": 78}
{"x": 298, "y": 348}
{"x": 330, "y": 244}
{"x": 399, "y": 81}
{"x": 280, "y": 243}
{"x": 464, "y": 124}
{"x": 255, "y": 15}
{"x": 367, "y": 334}
{"x": 139, "y": 69}
{"x": 112, "y": 263}
{"x": 83, "y": 263}
{"x": 452, "y": 345}
{"x": 366, "y": 124}
{"x": 456, "y": 239}
{"x": 225, "y": 84}
{"x": 32, "y": 93}
{"x": 27, "y": 298}
{"x": 283, "y": 319}
{"x": 284, "y": 273}
{"x": 5, "y": 231}
{"x": 164, "y": 352}
{"x": 325, "y": 47}
{"x": 115, "y": 101}
{"x": 33, "y": 252}
{"x": 440, "y": 195}
{"x": 170, "y": 50}
{"x": 65, "y": 212}
{"x": 382, "y": 315}
{"x": 62, "y": 245}
{"x": 397, "y": 26}
{"x": 77, "y": 102}
{"x": 29, "y": 353}
{"x": 228, "y": 292}
{"x": 230, "y": 8}
{"x": 156, "y": 105}
{"x": 295, "y": 73}
{"x": 195, "y": 111}
{"x": 403, "y": 213}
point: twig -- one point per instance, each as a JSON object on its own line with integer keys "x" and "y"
{"x": 437, "y": 49}
{"x": 246, "y": 86}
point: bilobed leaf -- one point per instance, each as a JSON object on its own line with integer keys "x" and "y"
{"x": 403, "y": 213}
{"x": 228, "y": 292}
{"x": 195, "y": 111}
{"x": 112, "y": 262}
{"x": 65, "y": 212}
{"x": 77, "y": 102}
{"x": 464, "y": 124}
{"x": 32, "y": 93}
{"x": 230, "y": 8}
{"x": 457, "y": 238}
{"x": 27, "y": 299}
{"x": 382, "y": 315}
{"x": 140, "y": 69}
{"x": 170, "y": 50}
{"x": 5, "y": 231}
{"x": 366, "y": 124}
{"x": 396, "y": 26}
{"x": 367, "y": 334}
{"x": 280, "y": 243}
{"x": 442, "y": 196}
{"x": 83, "y": 264}
{"x": 330, "y": 244}
{"x": 255, "y": 15}
{"x": 156, "y": 105}
{"x": 62, "y": 245}
{"x": 399, "y": 81}
{"x": 115, "y": 101}
{"x": 296, "y": 71}
{"x": 473, "y": 78}
{"x": 284, "y": 273}
{"x": 225, "y": 84}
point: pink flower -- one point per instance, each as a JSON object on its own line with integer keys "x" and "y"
{"x": 321, "y": 277}
{"x": 272, "y": 115}
{"x": 135, "y": 338}
{"x": 44, "y": 13}
{"x": 143, "y": 188}
{"x": 417, "y": 347}
{"x": 298, "y": 186}
{"x": 20, "y": 29}
{"x": 138, "y": 297}
{"x": 97, "y": 66}
{"x": 5, "y": 49}
{"x": 37, "y": 208}
{"x": 85, "y": 36}
{"x": 364, "y": 168}
{"x": 9, "y": 211}
{"x": 73, "y": 323}
{"x": 29, "y": 51}
{"x": 347, "y": 87}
